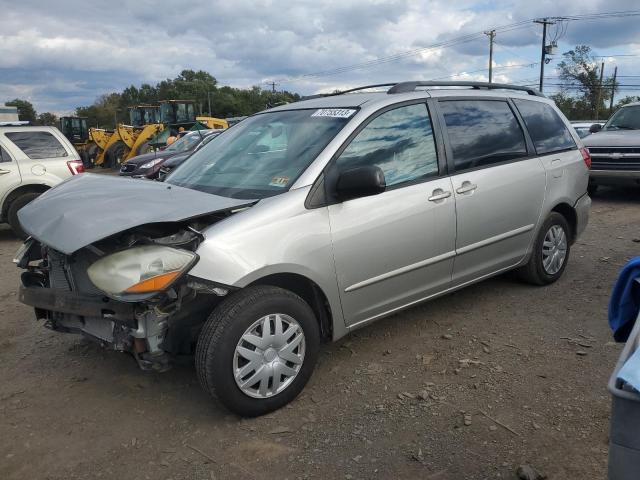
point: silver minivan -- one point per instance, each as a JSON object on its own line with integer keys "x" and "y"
{"x": 305, "y": 222}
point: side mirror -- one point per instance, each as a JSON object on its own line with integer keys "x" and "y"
{"x": 596, "y": 127}
{"x": 360, "y": 182}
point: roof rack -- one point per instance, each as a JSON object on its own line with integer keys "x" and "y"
{"x": 351, "y": 90}
{"x": 405, "y": 87}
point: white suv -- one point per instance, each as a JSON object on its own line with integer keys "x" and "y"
{"x": 32, "y": 160}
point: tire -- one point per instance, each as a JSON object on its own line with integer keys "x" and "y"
{"x": 144, "y": 148}
{"x": 592, "y": 189}
{"x": 12, "y": 212}
{"x": 92, "y": 153}
{"x": 217, "y": 360}
{"x": 114, "y": 155}
{"x": 534, "y": 271}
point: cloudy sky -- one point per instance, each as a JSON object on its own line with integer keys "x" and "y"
{"x": 63, "y": 54}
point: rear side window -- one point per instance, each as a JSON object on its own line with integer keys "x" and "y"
{"x": 4, "y": 156}
{"x": 400, "y": 142}
{"x": 482, "y": 132}
{"x": 547, "y": 130}
{"x": 37, "y": 145}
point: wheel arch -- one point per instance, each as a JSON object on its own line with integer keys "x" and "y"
{"x": 310, "y": 292}
{"x": 21, "y": 190}
{"x": 570, "y": 215}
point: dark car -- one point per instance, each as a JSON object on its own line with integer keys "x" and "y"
{"x": 148, "y": 165}
{"x": 172, "y": 162}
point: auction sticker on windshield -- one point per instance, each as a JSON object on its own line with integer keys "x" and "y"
{"x": 334, "y": 112}
{"x": 279, "y": 182}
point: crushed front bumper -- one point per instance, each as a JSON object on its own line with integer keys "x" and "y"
{"x": 59, "y": 301}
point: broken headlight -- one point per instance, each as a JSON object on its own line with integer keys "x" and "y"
{"x": 140, "y": 270}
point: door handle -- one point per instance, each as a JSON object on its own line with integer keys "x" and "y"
{"x": 555, "y": 162}
{"x": 4, "y": 172}
{"x": 466, "y": 187}
{"x": 439, "y": 194}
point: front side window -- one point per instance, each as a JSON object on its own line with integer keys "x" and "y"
{"x": 37, "y": 145}
{"x": 482, "y": 132}
{"x": 263, "y": 155}
{"x": 547, "y": 130}
{"x": 400, "y": 142}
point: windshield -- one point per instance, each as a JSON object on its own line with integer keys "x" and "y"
{"x": 188, "y": 142}
{"x": 263, "y": 155}
{"x": 627, "y": 118}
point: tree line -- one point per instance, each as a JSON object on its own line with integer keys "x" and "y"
{"x": 583, "y": 95}
{"x": 210, "y": 98}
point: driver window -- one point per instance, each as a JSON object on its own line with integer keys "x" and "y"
{"x": 400, "y": 142}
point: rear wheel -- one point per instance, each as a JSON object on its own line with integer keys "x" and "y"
{"x": 92, "y": 153}
{"x": 257, "y": 350}
{"x": 115, "y": 155}
{"x": 144, "y": 148}
{"x": 12, "y": 213}
{"x": 550, "y": 252}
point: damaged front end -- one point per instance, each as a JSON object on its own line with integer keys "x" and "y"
{"x": 130, "y": 292}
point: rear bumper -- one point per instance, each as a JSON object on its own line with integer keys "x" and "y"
{"x": 582, "y": 208}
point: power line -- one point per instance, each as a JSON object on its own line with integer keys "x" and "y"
{"x": 450, "y": 43}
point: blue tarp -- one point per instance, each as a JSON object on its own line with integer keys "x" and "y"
{"x": 625, "y": 300}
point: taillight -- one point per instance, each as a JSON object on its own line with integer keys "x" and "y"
{"x": 586, "y": 157}
{"x": 76, "y": 166}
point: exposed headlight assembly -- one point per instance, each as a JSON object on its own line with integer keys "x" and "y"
{"x": 140, "y": 270}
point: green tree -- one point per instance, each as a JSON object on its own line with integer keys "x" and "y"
{"x": 580, "y": 76}
{"x": 48, "y": 119}
{"x": 105, "y": 112}
{"x": 26, "y": 112}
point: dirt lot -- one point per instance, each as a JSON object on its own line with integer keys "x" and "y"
{"x": 528, "y": 366}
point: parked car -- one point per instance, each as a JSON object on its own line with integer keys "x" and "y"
{"x": 172, "y": 162}
{"x": 32, "y": 160}
{"x": 305, "y": 222}
{"x": 583, "y": 127}
{"x": 615, "y": 149}
{"x": 148, "y": 165}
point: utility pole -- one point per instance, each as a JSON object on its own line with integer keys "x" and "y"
{"x": 543, "y": 57}
{"x": 273, "y": 86}
{"x": 491, "y": 34}
{"x": 209, "y": 101}
{"x": 599, "y": 90}
{"x": 613, "y": 90}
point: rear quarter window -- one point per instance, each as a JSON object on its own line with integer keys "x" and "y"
{"x": 37, "y": 145}
{"x": 548, "y": 132}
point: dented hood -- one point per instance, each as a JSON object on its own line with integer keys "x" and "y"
{"x": 90, "y": 207}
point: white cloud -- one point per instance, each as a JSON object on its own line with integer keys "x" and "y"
{"x": 63, "y": 54}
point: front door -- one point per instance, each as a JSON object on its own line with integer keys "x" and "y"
{"x": 397, "y": 247}
{"x": 499, "y": 186}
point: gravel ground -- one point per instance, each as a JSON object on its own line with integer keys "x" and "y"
{"x": 469, "y": 386}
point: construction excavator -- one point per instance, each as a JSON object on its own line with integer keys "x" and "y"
{"x": 150, "y": 126}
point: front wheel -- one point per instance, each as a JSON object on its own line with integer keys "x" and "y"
{"x": 258, "y": 349}
{"x": 550, "y": 252}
